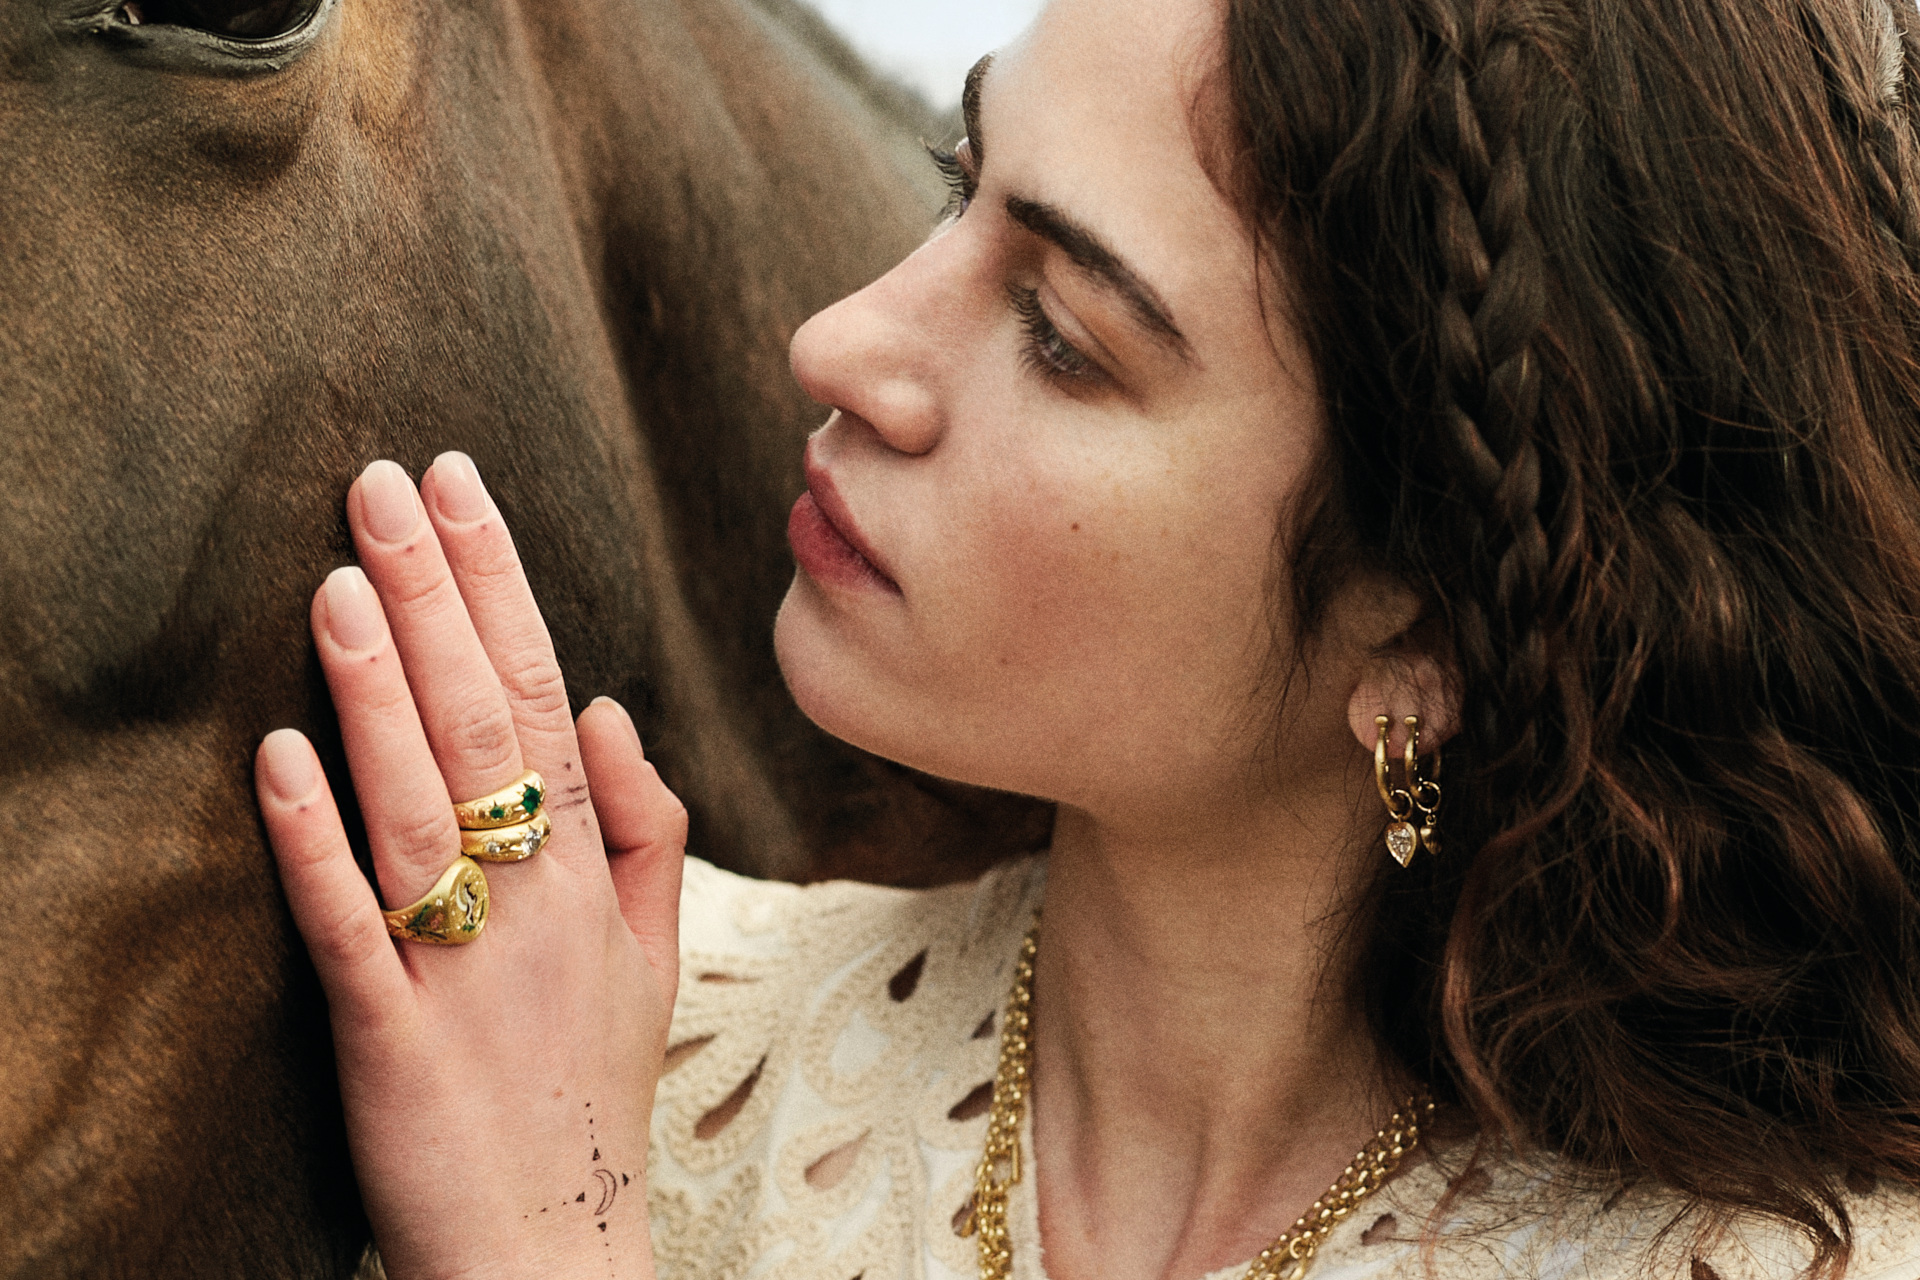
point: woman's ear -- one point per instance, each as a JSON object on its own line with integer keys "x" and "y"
{"x": 1407, "y": 676}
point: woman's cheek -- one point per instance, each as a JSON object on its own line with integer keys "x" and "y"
{"x": 1055, "y": 593}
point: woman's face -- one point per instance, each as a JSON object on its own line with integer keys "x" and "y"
{"x": 1065, "y": 432}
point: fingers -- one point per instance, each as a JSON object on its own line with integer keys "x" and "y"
{"x": 480, "y": 696}
{"x": 460, "y": 702}
{"x": 333, "y": 906}
{"x": 481, "y": 554}
{"x": 642, "y": 823}
{"x": 408, "y": 815}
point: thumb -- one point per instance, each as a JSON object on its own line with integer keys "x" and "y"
{"x": 643, "y": 826}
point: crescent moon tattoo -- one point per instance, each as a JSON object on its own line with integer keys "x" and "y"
{"x": 609, "y": 1184}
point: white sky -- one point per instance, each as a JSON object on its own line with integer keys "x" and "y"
{"x": 928, "y": 43}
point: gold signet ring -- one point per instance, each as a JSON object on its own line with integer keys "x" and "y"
{"x": 507, "y": 807}
{"x": 507, "y": 844}
{"x": 453, "y": 912}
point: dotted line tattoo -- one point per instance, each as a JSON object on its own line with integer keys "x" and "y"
{"x": 604, "y": 1186}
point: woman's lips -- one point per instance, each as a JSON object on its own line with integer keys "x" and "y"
{"x": 825, "y": 539}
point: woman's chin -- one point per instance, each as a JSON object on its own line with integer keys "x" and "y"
{"x": 849, "y": 698}
{"x": 830, "y": 686}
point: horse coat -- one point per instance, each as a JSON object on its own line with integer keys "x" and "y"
{"x": 247, "y": 246}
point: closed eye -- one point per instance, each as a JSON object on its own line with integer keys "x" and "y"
{"x": 1045, "y": 349}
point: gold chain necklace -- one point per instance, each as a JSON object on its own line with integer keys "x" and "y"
{"x": 1284, "y": 1259}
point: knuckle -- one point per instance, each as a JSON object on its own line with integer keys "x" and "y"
{"x": 425, "y": 836}
{"x": 357, "y": 937}
{"x": 480, "y": 736}
{"x": 675, "y": 824}
{"x": 376, "y": 697}
{"x": 672, "y": 815}
{"x": 666, "y": 812}
{"x": 421, "y": 592}
{"x": 539, "y": 690}
{"x": 490, "y": 573}
{"x": 492, "y": 569}
{"x": 308, "y": 850}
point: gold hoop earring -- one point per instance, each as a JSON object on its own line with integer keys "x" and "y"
{"x": 1418, "y": 794}
{"x": 1403, "y": 838}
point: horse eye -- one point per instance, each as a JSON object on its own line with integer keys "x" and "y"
{"x": 237, "y": 19}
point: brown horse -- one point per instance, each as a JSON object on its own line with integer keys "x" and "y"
{"x": 247, "y": 246}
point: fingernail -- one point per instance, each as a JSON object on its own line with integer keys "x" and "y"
{"x": 632, "y": 731}
{"x": 353, "y": 610}
{"x": 287, "y": 765}
{"x": 457, "y": 487}
{"x": 386, "y": 501}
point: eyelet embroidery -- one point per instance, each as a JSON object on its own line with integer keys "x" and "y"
{"x": 848, "y": 1049}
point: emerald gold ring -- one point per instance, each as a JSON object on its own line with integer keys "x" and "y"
{"x": 507, "y": 807}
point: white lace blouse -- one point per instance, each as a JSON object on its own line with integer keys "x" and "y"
{"x": 826, "y": 1094}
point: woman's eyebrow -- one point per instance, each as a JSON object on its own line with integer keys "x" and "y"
{"x": 1089, "y": 253}
{"x": 970, "y": 109}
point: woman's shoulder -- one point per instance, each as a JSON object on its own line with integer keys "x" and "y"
{"x": 1886, "y": 1223}
{"x": 1545, "y": 1218}
{"x": 1885, "y": 1226}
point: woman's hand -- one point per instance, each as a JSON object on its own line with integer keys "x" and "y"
{"x": 497, "y": 1093}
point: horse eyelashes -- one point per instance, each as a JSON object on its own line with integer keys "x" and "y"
{"x": 235, "y": 19}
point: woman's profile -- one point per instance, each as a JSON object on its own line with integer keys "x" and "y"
{"x": 1431, "y": 490}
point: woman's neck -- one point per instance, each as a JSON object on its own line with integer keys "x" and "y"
{"x": 1201, "y": 1073}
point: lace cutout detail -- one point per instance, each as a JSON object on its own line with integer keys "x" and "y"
{"x": 816, "y": 1103}
{"x": 823, "y": 1110}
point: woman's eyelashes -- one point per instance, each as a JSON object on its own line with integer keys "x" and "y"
{"x": 1044, "y": 350}
{"x": 960, "y": 178}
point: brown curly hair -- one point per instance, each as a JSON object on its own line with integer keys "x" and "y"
{"x": 1614, "y": 306}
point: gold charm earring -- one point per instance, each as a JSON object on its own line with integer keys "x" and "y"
{"x": 1403, "y": 839}
{"x": 1419, "y": 795}
{"x": 1425, "y": 790}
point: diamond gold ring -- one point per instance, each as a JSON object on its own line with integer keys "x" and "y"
{"x": 510, "y": 806}
{"x": 507, "y": 844}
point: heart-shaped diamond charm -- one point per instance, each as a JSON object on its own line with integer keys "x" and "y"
{"x": 1402, "y": 840}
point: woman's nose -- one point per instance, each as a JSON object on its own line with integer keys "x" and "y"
{"x": 876, "y": 355}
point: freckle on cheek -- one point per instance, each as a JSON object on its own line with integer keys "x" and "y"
{"x": 1076, "y": 526}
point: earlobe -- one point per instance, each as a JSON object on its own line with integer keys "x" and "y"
{"x": 1404, "y": 666}
{"x": 1398, "y": 684}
